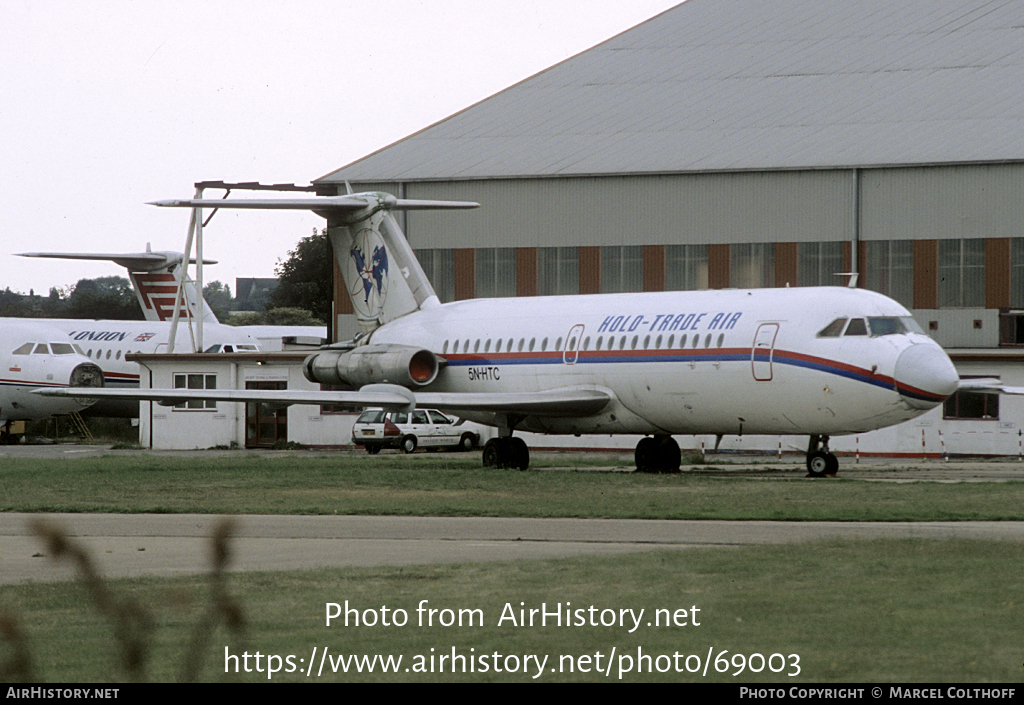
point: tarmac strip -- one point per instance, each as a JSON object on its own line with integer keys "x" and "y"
{"x": 129, "y": 545}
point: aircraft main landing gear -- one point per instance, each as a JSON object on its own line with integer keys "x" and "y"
{"x": 657, "y": 454}
{"x": 820, "y": 462}
{"x": 506, "y": 452}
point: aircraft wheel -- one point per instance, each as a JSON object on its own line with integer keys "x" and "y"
{"x": 492, "y": 453}
{"x": 646, "y": 454}
{"x": 831, "y": 464}
{"x": 818, "y": 463}
{"x": 519, "y": 455}
{"x": 669, "y": 455}
{"x": 408, "y": 444}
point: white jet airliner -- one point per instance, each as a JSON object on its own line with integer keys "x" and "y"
{"x": 35, "y": 355}
{"x": 813, "y": 361}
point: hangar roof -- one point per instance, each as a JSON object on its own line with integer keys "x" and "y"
{"x": 723, "y": 85}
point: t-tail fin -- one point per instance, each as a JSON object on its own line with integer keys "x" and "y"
{"x": 154, "y": 277}
{"x": 383, "y": 277}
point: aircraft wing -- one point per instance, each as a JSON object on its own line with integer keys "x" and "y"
{"x": 556, "y": 402}
{"x": 987, "y": 385}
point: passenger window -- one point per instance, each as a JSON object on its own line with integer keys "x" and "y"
{"x": 544, "y": 345}
{"x": 558, "y": 343}
{"x": 636, "y": 338}
{"x": 399, "y": 417}
{"x": 857, "y": 327}
{"x": 721, "y": 339}
{"x": 833, "y": 329}
{"x": 586, "y": 343}
{"x": 487, "y": 345}
{"x": 671, "y": 341}
{"x": 647, "y": 342}
{"x": 682, "y": 341}
{"x": 444, "y": 348}
{"x": 419, "y": 417}
{"x": 476, "y": 346}
{"x": 707, "y": 341}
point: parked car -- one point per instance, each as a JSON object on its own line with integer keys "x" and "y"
{"x": 420, "y": 428}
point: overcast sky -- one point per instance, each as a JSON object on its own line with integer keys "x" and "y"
{"x": 107, "y": 104}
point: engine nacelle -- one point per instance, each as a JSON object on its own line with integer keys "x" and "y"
{"x": 374, "y": 364}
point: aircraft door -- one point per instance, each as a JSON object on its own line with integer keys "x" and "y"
{"x": 572, "y": 345}
{"x": 763, "y": 351}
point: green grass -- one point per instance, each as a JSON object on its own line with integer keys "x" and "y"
{"x": 868, "y": 611}
{"x": 456, "y": 485}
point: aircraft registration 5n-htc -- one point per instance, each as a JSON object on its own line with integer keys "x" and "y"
{"x": 35, "y": 355}
{"x": 816, "y": 362}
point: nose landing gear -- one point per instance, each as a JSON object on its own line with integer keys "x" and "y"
{"x": 820, "y": 462}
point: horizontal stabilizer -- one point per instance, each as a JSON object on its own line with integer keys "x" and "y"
{"x": 354, "y": 202}
{"x": 135, "y": 261}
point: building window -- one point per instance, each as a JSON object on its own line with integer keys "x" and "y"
{"x": 819, "y": 263}
{"x": 329, "y": 409}
{"x": 439, "y": 266}
{"x": 752, "y": 266}
{"x": 686, "y": 267}
{"x": 971, "y": 405}
{"x": 495, "y": 272}
{"x": 558, "y": 271}
{"x": 1017, "y": 272}
{"x": 622, "y": 269}
{"x": 962, "y": 273}
{"x": 889, "y": 269}
{"x": 195, "y": 381}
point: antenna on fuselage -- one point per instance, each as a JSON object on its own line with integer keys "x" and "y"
{"x": 854, "y": 276}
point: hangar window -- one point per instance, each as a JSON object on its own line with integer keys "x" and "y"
{"x": 962, "y": 273}
{"x": 198, "y": 382}
{"x": 622, "y": 268}
{"x": 971, "y": 405}
{"x": 495, "y": 272}
{"x": 890, "y": 269}
{"x": 752, "y": 266}
{"x": 558, "y": 270}
{"x": 818, "y": 263}
{"x": 686, "y": 267}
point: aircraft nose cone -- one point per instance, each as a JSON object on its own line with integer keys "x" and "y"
{"x": 925, "y": 376}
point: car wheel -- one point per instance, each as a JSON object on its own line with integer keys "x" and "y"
{"x": 467, "y": 442}
{"x": 373, "y": 450}
{"x": 408, "y": 444}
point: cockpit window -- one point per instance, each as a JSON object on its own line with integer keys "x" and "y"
{"x": 856, "y": 327}
{"x": 893, "y": 325}
{"x": 833, "y": 329}
{"x": 41, "y": 349}
{"x": 25, "y": 349}
{"x": 62, "y": 349}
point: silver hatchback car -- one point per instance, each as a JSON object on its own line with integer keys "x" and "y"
{"x": 420, "y": 428}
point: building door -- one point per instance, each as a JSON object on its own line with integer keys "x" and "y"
{"x": 265, "y": 425}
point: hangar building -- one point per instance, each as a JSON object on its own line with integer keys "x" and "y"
{"x": 725, "y": 143}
